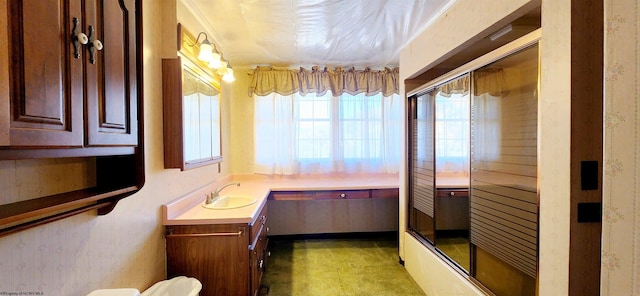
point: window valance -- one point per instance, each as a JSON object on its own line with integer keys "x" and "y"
{"x": 492, "y": 81}
{"x": 266, "y": 80}
{"x": 192, "y": 84}
{"x": 457, "y": 86}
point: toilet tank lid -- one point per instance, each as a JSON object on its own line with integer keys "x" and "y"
{"x": 179, "y": 286}
{"x": 115, "y": 292}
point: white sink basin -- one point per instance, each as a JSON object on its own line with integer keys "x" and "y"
{"x": 226, "y": 202}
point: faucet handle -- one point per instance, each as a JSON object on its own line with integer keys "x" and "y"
{"x": 209, "y": 198}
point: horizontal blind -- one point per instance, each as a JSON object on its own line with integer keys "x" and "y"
{"x": 504, "y": 199}
{"x": 423, "y": 174}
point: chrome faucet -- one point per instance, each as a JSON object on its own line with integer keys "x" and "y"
{"x": 216, "y": 194}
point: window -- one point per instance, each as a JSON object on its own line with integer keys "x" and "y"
{"x": 320, "y": 134}
{"x": 361, "y": 120}
{"x": 452, "y": 133}
{"x": 314, "y": 127}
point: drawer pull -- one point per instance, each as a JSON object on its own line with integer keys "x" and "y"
{"x": 239, "y": 233}
{"x": 342, "y": 195}
{"x": 452, "y": 193}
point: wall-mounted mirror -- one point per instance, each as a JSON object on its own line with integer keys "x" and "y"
{"x": 191, "y": 108}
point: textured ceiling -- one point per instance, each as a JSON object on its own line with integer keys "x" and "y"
{"x": 346, "y": 33}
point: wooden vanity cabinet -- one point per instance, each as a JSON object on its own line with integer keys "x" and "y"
{"x": 62, "y": 94}
{"x": 334, "y": 194}
{"x": 228, "y": 259}
{"x": 333, "y": 211}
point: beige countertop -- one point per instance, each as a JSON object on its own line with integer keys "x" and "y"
{"x": 452, "y": 182}
{"x": 188, "y": 209}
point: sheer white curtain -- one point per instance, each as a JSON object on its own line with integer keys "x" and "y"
{"x": 275, "y": 135}
{"x": 490, "y": 88}
{"x": 295, "y": 134}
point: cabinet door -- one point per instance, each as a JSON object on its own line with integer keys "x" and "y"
{"x": 217, "y": 255}
{"x": 257, "y": 264}
{"x": 44, "y": 76}
{"x": 111, "y": 86}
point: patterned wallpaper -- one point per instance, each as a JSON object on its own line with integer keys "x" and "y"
{"x": 621, "y": 200}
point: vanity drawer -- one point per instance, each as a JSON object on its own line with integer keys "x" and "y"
{"x": 342, "y": 194}
{"x": 291, "y": 195}
{"x": 260, "y": 222}
{"x": 385, "y": 193}
{"x": 452, "y": 192}
{"x": 334, "y": 194}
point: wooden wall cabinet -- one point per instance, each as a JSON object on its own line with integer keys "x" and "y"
{"x": 62, "y": 98}
{"x": 63, "y": 94}
{"x": 229, "y": 259}
{"x": 111, "y": 86}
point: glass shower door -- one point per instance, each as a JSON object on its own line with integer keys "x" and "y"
{"x": 422, "y": 166}
{"x": 504, "y": 174}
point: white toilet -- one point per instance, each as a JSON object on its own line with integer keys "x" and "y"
{"x": 177, "y": 286}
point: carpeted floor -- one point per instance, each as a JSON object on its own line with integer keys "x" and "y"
{"x": 336, "y": 266}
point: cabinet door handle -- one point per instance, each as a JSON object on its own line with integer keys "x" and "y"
{"x": 78, "y": 38}
{"x": 260, "y": 264}
{"x": 94, "y": 45}
{"x": 239, "y": 233}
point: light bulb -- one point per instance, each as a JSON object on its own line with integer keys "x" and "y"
{"x": 214, "y": 63}
{"x": 205, "y": 51}
{"x": 222, "y": 71}
{"x": 228, "y": 77}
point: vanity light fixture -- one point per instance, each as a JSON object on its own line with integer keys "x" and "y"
{"x": 214, "y": 59}
{"x": 206, "y": 50}
{"x": 225, "y": 70}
